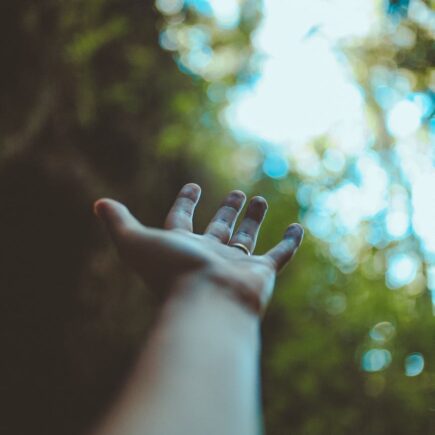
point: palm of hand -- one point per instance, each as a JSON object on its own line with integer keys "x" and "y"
{"x": 162, "y": 257}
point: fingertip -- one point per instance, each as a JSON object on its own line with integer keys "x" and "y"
{"x": 258, "y": 199}
{"x": 238, "y": 193}
{"x": 100, "y": 207}
{"x": 296, "y": 232}
{"x": 193, "y": 186}
{"x": 109, "y": 209}
{"x": 236, "y": 199}
{"x": 191, "y": 191}
{"x": 259, "y": 203}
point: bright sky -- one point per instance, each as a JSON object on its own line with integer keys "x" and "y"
{"x": 306, "y": 90}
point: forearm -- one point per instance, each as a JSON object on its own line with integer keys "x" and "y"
{"x": 199, "y": 372}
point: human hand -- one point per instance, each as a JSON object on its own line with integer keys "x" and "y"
{"x": 164, "y": 257}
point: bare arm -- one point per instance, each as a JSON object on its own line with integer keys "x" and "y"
{"x": 198, "y": 373}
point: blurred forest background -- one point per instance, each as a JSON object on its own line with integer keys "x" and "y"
{"x": 131, "y": 99}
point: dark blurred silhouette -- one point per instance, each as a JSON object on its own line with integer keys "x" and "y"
{"x": 71, "y": 315}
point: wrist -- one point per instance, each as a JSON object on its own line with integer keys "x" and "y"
{"x": 198, "y": 311}
{"x": 218, "y": 284}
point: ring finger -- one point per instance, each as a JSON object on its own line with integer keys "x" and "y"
{"x": 247, "y": 232}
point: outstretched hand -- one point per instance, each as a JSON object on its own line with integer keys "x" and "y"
{"x": 164, "y": 257}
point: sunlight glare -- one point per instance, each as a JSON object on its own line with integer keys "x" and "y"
{"x": 226, "y": 12}
{"x": 304, "y": 89}
{"x": 404, "y": 118}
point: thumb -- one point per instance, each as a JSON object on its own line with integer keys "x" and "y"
{"x": 115, "y": 216}
{"x": 131, "y": 238}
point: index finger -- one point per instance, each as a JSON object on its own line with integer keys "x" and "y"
{"x": 181, "y": 214}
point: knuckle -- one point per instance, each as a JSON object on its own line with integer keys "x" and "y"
{"x": 185, "y": 211}
{"x": 221, "y": 220}
{"x": 244, "y": 235}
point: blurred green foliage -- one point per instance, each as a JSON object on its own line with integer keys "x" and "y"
{"x": 91, "y": 105}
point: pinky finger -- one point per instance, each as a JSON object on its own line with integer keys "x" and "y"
{"x": 283, "y": 252}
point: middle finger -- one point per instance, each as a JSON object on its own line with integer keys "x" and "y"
{"x": 248, "y": 230}
{"x": 222, "y": 225}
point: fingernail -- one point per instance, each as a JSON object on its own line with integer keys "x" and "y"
{"x": 259, "y": 200}
{"x": 102, "y": 208}
{"x": 192, "y": 191}
{"x": 238, "y": 194}
{"x": 295, "y": 232}
{"x": 258, "y": 205}
{"x": 98, "y": 209}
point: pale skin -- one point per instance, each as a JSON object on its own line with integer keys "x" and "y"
{"x": 198, "y": 373}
